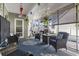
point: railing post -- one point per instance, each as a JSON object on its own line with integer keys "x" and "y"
{"x": 76, "y": 27}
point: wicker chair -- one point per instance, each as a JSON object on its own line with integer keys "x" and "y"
{"x": 59, "y": 41}
{"x": 37, "y": 36}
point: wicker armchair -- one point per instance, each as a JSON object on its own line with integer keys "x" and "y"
{"x": 59, "y": 41}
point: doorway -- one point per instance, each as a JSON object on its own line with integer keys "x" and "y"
{"x": 19, "y": 27}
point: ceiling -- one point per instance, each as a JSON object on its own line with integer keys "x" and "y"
{"x": 46, "y": 9}
{"x": 15, "y": 7}
{"x": 38, "y": 11}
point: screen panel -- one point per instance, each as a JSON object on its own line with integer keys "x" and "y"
{"x": 68, "y": 16}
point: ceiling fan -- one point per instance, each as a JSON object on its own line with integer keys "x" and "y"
{"x": 21, "y": 10}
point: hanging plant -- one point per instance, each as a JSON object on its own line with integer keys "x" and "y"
{"x": 26, "y": 18}
{"x": 45, "y": 21}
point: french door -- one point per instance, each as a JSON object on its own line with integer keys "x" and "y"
{"x": 19, "y": 27}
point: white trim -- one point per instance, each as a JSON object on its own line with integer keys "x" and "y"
{"x": 22, "y": 26}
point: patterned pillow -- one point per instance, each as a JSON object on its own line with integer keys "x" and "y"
{"x": 60, "y": 36}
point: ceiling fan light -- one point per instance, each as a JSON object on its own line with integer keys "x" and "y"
{"x": 20, "y": 16}
{"x": 38, "y": 4}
